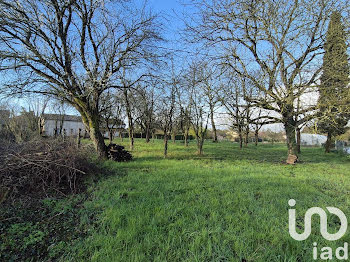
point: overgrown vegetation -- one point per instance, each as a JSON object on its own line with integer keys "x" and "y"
{"x": 42, "y": 188}
{"x": 40, "y": 166}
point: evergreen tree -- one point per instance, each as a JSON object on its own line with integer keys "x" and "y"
{"x": 334, "y": 92}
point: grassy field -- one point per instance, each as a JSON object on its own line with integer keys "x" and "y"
{"x": 227, "y": 205}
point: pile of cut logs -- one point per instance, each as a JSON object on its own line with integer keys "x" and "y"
{"x": 118, "y": 153}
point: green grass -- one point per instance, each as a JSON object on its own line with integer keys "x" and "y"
{"x": 227, "y": 205}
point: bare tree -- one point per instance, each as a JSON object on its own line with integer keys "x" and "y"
{"x": 282, "y": 40}
{"x": 236, "y": 96}
{"x": 233, "y": 100}
{"x": 211, "y": 84}
{"x": 200, "y": 114}
{"x": 128, "y": 107}
{"x": 112, "y": 113}
{"x": 75, "y": 50}
{"x": 59, "y": 107}
{"x": 200, "y": 119}
{"x": 37, "y": 104}
{"x": 22, "y": 124}
{"x": 183, "y": 96}
{"x": 166, "y": 109}
{"x": 145, "y": 102}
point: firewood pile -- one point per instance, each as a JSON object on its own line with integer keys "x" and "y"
{"x": 41, "y": 166}
{"x": 118, "y": 153}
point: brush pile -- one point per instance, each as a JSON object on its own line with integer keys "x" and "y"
{"x": 41, "y": 166}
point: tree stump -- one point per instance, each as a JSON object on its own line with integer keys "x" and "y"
{"x": 292, "y": 159}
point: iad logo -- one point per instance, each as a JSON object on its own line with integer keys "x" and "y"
{"x": 323, "y": 222}
{"x": 341, "y": 253}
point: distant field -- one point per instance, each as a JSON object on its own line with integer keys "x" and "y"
{"x": 227, "y": 205}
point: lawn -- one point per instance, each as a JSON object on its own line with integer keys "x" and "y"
{"x": 227, "y": 205}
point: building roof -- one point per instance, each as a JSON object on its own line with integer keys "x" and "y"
{"x": 59, "y": 117}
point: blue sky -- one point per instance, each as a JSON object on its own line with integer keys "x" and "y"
{"x": 165, "y": 5}
{"x": 172, "y": 11}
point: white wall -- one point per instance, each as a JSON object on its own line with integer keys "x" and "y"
{"x": 312, "y": 139}
{"x": 72, "y": 127}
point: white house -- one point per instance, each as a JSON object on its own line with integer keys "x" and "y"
{"x": 69, "y": 125}
{"x": 312, "y": 139}
{"x": 55, "y": 124}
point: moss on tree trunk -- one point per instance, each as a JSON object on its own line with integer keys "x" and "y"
{"x": 291, "y": 141}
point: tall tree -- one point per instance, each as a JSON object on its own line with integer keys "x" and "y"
{"x": 144, "y": 109}
{"x": 283, "y": 40}
{"x": 200, "y": 113}
{"x": 112, "y": 114}
{"x": 232, "y": 99}
{"x": 129, "y": 114}
{"x": 210, "y": 85}
{"x": 334, "y": 89}
{"x": 183, "y": 98}
{"x": 75, "y": 50}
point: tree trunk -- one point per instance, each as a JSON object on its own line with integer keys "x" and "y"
{"x": 240, "y": 137}
{"x": 110, "y": 135}
{"x": 131, "y": 137}
{"x": 328, "y": 144}
{"x": 186, "y": 137}
{"x": 91, "y": 121}
{"x": 55, "y": 130}
{"x": 148, "y": 134}
{"x": 246, "y": 140}
{"x": 64, "y": 134}
{"x": 173, "y": 137}
{"x": 215, "y": 138}
{"x": 298, "y": 140}
{"x": 200, "y": 142}
{"x": 165, "y": 145}
{"x": 256, "y": 137}
{"x": 97, "y": 139}
{"x": 41, "y": 126}
{"x": 291, "y": 141}
{"x": 130, "y": 121}
{"x": 79, "y": 137}
{"x": 61, "y": 125}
